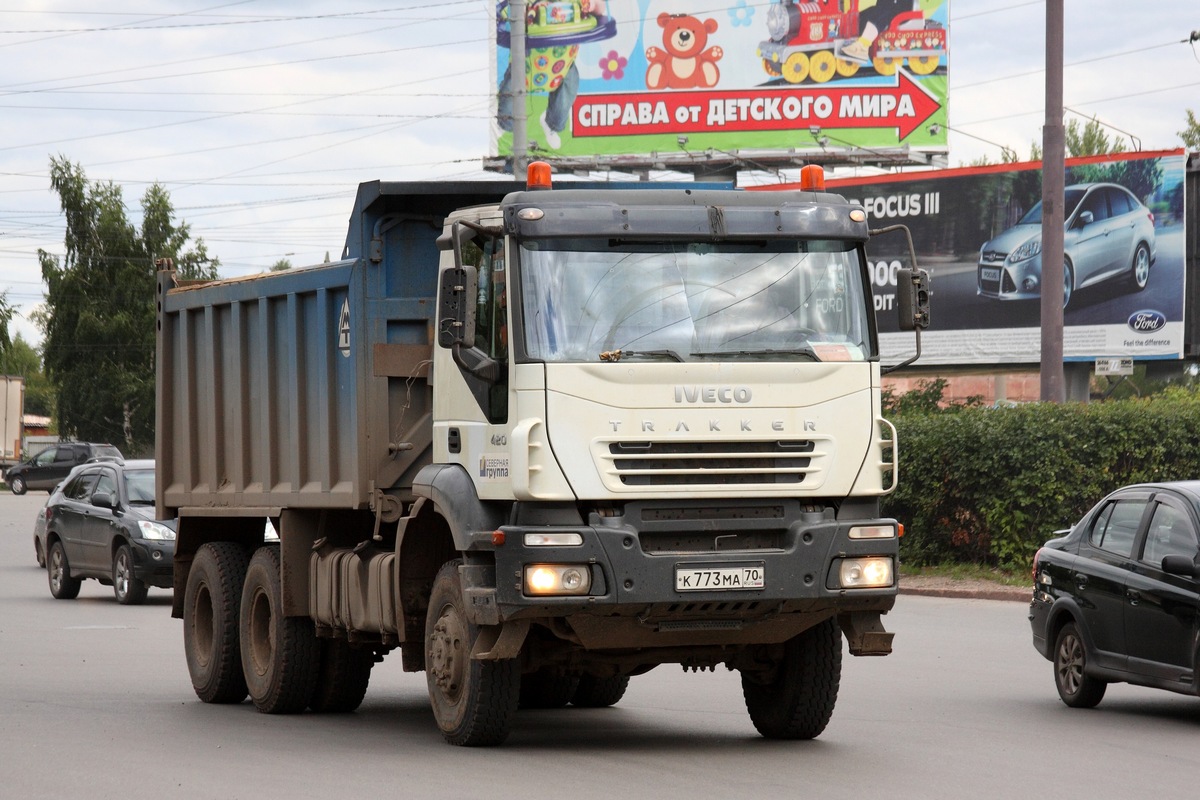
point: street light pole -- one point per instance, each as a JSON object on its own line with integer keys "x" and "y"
{"x": 1053, "y": 178}
{"x": 516, "y": 86}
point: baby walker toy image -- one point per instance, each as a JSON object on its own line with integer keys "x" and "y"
{"x": 554, "y": 30}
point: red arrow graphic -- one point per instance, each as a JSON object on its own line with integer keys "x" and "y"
{"x": 905, "y": 105}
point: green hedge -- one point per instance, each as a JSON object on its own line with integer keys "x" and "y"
{"x": 990, "y": 485}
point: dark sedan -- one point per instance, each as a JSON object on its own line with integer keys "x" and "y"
{"x": 1117, "y": 598}
{"x": 100, "y": 524}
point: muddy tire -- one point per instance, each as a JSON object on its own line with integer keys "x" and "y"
{"x": 473, "y": 701}
{"x": 543, "y": 689}
{"x": 128, "y": 590}
{"x": 210, "y": 622}
{"x": 796, "y": 701}
{"x": 600, "y": 692}
{"x": 280, "y": 655}
{"x": 342, "y": 678}
{"x": 58, "y": 573}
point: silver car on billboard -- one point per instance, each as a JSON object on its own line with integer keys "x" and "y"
{"x": 1108, "y": 234}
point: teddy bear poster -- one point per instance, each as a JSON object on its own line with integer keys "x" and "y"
{"x": 612, "y": 77}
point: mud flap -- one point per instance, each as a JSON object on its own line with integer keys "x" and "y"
{"x": 497, "y": 642}
{"x": 865, "y": 634}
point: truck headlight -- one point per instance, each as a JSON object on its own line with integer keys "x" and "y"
{"x": 865, "y": 573}
{"x": 546, "y": 580}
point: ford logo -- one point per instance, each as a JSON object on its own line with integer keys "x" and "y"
{"x": 1147, "y": 321}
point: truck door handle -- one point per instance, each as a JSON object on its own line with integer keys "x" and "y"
{"x": 1081, "y": 580}
{"x": 1134, "y": 597}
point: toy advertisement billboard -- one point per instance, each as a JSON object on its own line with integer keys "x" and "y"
{"x": 638, "y": 77}
{"x": 978, "y": 233}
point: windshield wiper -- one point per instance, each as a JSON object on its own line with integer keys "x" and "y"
{"x": 617, "y": 355}
{"x": 808, "y": 354}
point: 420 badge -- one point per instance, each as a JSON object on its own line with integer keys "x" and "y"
{"x": 712, "y": 578}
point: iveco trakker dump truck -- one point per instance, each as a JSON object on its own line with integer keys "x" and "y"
{"x": 538, "y": 446}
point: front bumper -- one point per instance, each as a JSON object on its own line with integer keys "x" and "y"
{"x": 1004, "y": 281}
{"x": 153, "y": 562}
{"x": 633, "y": 562}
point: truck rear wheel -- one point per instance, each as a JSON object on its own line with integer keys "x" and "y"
{"x": 280, "y": 655}
{"x": 796, "y": 701}
{"x": 544, "y": 689}
{"x": 210, "y": 622}
{"x": 342, "y": 678}
{"x": 600, "y": 692}
{"x": 473, "y": 701}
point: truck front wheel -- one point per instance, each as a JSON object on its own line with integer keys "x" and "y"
{"x": 210, "y": 622}
{"x": 795, "y": 701}
{"x": 473, "y": 701}
{"x": 280, "y": 655}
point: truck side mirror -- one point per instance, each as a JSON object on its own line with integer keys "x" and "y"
{"x": 456, "y": 309}
{"x": 912, "y": 298}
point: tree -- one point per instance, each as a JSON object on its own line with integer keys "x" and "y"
{"x": 281, "y": 265}
{"x": 1091, "y": 140}
{"x": 21, "y": 359}
{"x": 1191, "y": 134}
{"x": 99, "y": 318}
{"x": 6, "y": 315}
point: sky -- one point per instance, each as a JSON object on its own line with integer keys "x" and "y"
{"x": 261, "y": 117}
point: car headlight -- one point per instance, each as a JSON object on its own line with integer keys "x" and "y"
{"x": 1026, "y": 251}
{"x": 557, "y": 579}
{"x": 864, "y": 573}
{"x": 156, "y": 531}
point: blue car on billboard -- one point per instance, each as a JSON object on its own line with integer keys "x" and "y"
{"x": 1109, "y": 234}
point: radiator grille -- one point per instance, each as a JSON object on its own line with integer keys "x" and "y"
{"x": 711, "y": 463}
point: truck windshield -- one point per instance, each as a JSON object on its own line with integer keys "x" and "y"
{"x": 600, "y": 300}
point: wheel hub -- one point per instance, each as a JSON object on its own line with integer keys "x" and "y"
{"x": 447, "y": 656}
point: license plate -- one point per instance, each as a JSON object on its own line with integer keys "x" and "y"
{"x": 705, "y": 578}
{"x": 989, "y": 274}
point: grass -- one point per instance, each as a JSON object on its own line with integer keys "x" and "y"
{"x": 970, "y": 572}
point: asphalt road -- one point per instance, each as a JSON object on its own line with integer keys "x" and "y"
{"x": 95, "y": 702}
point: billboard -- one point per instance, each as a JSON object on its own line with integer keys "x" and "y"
{"x": 639, "y": 77}
{"x": 978, "y": 233}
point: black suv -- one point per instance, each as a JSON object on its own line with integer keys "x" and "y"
{"x": 49, "y": 467}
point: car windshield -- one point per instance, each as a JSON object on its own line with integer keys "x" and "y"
{"x": 139, "y": 485}
{"x": 604, "y": 300}
{"x": 1071, "y": 198}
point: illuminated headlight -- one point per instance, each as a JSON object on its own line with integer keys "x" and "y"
{"x": 865, "y": 573}
{"x": 553, "y": 539}
{"x": 1027, "y": 250}
{"x": 873, "y": 532}
{"x": 557, "y": 579}
{"x": 156, "y": 531}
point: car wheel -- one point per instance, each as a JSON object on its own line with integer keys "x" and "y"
{"x": 17, "y": 485}
{"x": 280, "y": 654}
{"x": 210, "y": 622}
{"x": 1076, "y": 688}
{"x": 1139, "y": 273}
{"x": 128, "y": 589}
{"x": 62, "y": 585}
{"x": 1068, "y": 283}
